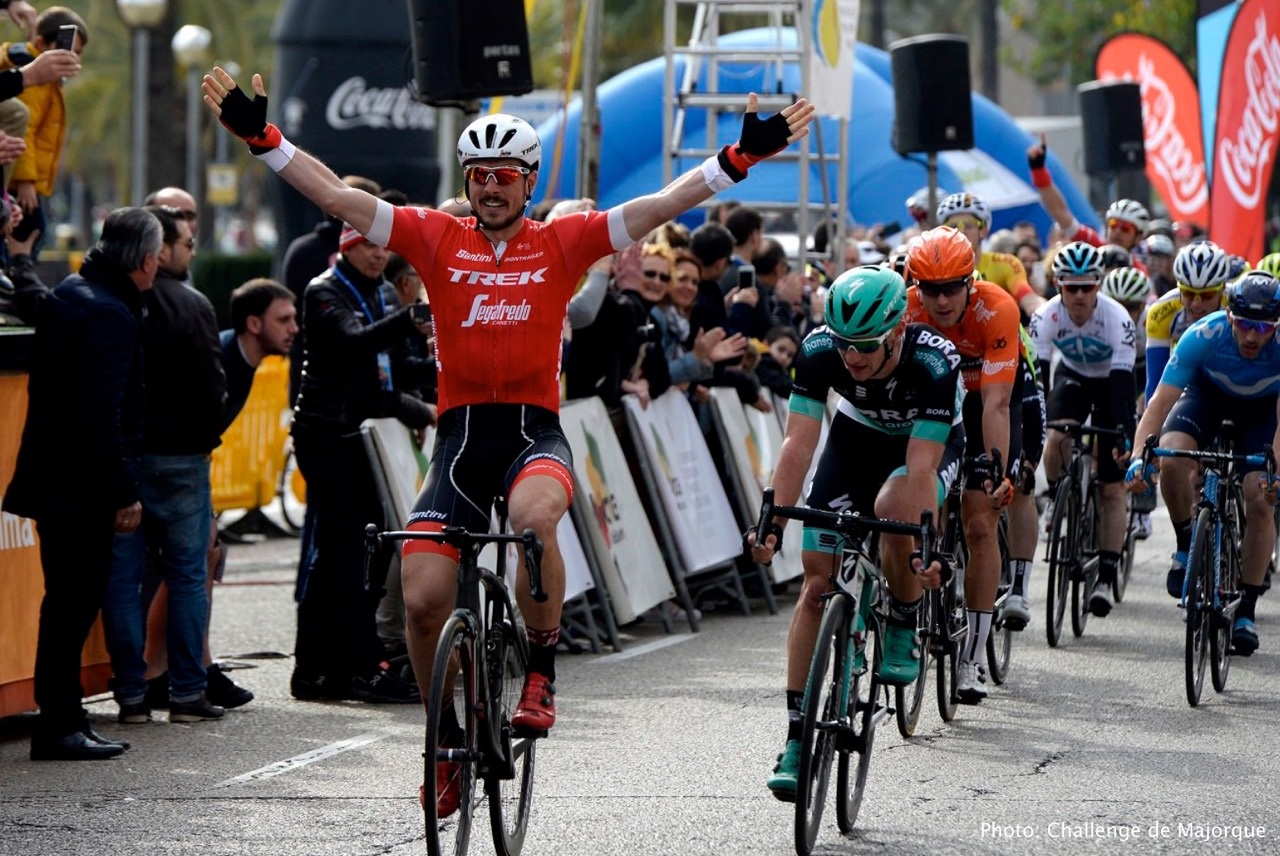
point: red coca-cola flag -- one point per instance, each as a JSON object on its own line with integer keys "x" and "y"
{"x": 1170, "y": 119}
{"x": 1248, "y": 128}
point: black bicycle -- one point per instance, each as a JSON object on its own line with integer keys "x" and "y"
{"x": 1072, "y": 551}
{"x": 479, "y": 671}
{"x": 842, "y": 699}
{"x": 1211, "y": 588}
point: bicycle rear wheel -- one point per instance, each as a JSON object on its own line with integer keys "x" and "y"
{"x": 1000, "y": 639}
{"x": 1125, "y": 567}
{"x": 909, "y": 700}
{"x": 822, "y": 695}
{"x": 1199, "y": 603}
{"x": 864, "y": 713}
{"x": 1061, "y": 556}
{"x": 454, "y": 682}
{"x": 510, "y": 790}
{"x": 1084, "y": 574}
{"x": 951, "y": 618}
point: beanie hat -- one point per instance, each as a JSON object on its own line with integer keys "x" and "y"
{"x": 349, "y": 238}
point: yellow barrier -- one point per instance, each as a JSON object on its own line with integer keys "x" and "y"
{"x": 246, "y": 467}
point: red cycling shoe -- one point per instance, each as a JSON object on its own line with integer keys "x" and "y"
{"x": 448, "y": 798}
{"x": 537, "y": 708}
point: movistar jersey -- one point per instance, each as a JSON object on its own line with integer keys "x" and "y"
{"x": 1208, "y": 352}
{"x": 921, "y": 399}
{"x": 1103, "y": 344}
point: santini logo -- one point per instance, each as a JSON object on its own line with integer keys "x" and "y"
{"x": 475, "y": 277}
{"x": 501, "y": 312}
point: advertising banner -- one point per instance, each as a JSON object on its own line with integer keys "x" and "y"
{"x": 631, "y": 564}
{"x": 688, "y": 485}
{"x": 1248, "y": 128}
{"x": 1170, "y": 120}
{"x": 833, "y": 30}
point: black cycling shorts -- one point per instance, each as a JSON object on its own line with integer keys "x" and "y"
{"x": 1201, "y": 410}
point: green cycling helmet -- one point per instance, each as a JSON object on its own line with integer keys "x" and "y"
{"x": 1270, "y": 264}
{"x": 865, "y": 302}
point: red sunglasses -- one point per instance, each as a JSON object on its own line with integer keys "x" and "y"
{"x": 1122, "y": 225}
{"x": 503, "y": 175}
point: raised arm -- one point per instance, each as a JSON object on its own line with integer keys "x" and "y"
{"x": 760, "y": 139}
{"x": 1050, "y": 196}
{"x": 248, "y": 121}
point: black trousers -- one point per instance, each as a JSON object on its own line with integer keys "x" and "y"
{"x": 337, "y": 629}
{"x": 75, "y": 552}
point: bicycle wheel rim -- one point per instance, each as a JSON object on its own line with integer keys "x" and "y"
{"x": 510, "y": 799}
{"x": 1059, "y": 565}
{"x": 949, "y": 661}
{"x": 1126, "y": 559}
{"x": 817, "y": 740}
{"x": 909, "y": 699}
{"x": 864, "y": 695}
{"x": 456, "y": 647}
{"x": 999, "y": 650}
{"x": 1082, "y": 582}
{"x": 1199, "y": 569}
{"x": 1220, "y": 639}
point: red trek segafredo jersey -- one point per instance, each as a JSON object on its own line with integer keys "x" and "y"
{"x": 499, "y": 311}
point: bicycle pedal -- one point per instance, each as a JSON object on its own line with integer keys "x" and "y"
{"x": 527, "y": 733}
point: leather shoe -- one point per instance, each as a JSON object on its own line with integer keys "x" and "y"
{"x": 95, "y": 737}
{"x": 71, "y": 747}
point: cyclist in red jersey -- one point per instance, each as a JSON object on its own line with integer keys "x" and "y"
{"x": 499, "y": 285}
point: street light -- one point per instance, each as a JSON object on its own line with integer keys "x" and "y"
{"x": 140, "y": 16}
{"x": 191, "y": 49}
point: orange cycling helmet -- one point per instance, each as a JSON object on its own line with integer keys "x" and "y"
{"x": 939, "y": 255}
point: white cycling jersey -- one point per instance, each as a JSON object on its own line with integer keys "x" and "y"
{"x": 1104, "y": 343}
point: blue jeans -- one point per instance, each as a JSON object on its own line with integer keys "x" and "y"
{"x": 177, "y": 511}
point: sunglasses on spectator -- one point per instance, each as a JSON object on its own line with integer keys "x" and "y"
{"x": 656, "y": 274}
{"x": 1249, "y": 325}
{"x": 963, "y": 223}
{"x": 1122, "y": 225}
{"x": 502, "y": 175}
{"x": 946, "y": 288}
{"x": 1214, "y": 291}
{"x": 862, "y": 346}
{"x": 1077, "y": 286}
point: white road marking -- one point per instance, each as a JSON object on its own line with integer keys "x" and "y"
{"x": 655, "y": 645}
{"x": 297, "y": 762}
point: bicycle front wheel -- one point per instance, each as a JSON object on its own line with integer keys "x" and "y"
{"x": 1000, "y": 639}
{"x": 1125, "y": 567}
{"x": 822, "y": 710}
{"x": 1061, "y": 556}
{"x": 510, "y": 786}
{"x": 1228, "y": 587}
{"x": 452, "y": 741}
{"x": 864, "y": 712}
{"x": 1199, "y": 603}
{"x": 1085, "y": 568}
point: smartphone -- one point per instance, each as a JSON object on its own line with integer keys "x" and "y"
{"x": 891, "y": 228}
{"x": 420, "y": 313}
{"x": 66, "y": 37}
{"x": 747, "y": 276}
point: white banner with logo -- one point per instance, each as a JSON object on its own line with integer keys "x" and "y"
{"x": 631, "y": 562}
{"x": 753, "y": 440}
{"x": 833, "y": 34}
{"x": 698, "y": 511}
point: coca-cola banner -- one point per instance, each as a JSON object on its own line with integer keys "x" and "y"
{"x": 1248, "y": 128}
{"x": 1170, "y": 120}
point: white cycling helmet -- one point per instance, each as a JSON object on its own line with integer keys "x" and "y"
{"x": 1202, "y": 265}
{"x": 965, "y": 203}
{"x": 500, "y": 135}
{"x": 1130, "y": 211}
{"x": 1127, "y": 285}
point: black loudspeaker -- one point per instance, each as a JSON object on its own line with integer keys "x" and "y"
{"x": 1111, "y": 116}
{"x": 464, "y": 49}
{"x": 931, "y": 107}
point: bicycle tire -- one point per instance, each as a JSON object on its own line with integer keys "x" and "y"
{"x": 909, "y": 700}
{"x": 1061, "y": 536}
{"x": 821, "y": 709}
{"x": 1000, "y": 639}
{"x": 509, "y": 791}
{"x": 1085, "y": 569}
{"x": 1228, "y": 586}
{"x": 1125, "y": 568}
{"x": 284, "y": 490}
{"x": 455, "y": 676}
{"x": 864, "y": 714}
{"x": 1198, "y": 606}
{"x": 949, "y": 659}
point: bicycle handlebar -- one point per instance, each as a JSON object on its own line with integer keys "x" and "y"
{"x": 465, "y": 541}
{"x": 847, "y": 522}
{"x": 1265, "y": 459}
{"x": 1079, "y": 430}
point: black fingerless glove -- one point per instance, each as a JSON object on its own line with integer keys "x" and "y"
{"x": 1036, "y": 161}
{"x": 760, "y": 139}
{"x": 248, "y": 120}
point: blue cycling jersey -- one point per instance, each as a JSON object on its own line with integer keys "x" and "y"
{"x": 1208, "y": 352}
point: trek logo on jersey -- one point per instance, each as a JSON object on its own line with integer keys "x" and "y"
{"x": 501, "y": 313}
{"x": 489, "y": 279}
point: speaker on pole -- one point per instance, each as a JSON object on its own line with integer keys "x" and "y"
{"x": 932, "y": 111}
{"x": 1111, "y": 117}
{"x": 463, "y": 50}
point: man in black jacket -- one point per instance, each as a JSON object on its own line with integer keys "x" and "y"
{"x": 78, "y": 465}
{"x": 355, "y": 365}
{"x": 186, "y": 391}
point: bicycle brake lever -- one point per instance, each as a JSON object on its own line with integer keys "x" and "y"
{"x": 533, "y": 564}
{"x": 372, "y": 542}
{"x": 766, "y": 517}
{"x": 926, "y": 539}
